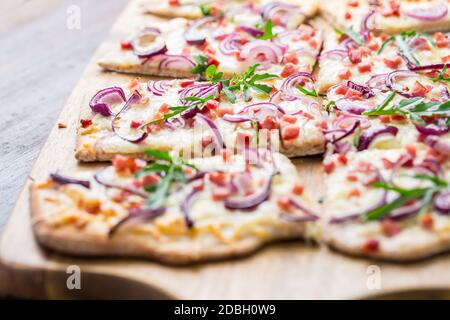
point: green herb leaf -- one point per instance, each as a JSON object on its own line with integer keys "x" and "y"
{"x": 404, "y": 48}
{"x": 441, "y": 76}
{"x": 202, "y": 64}
{"x": 356, "y": 37}
{"x": 382, "y": 106}
{"x": 268, "y": 34}
{"x": 306, "y": 92}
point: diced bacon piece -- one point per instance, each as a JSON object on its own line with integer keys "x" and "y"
{"x": 364, "y": 67}
{"x": 206, "y": 141}
{"x": 284, "y": 202}
{"x": 289, "y": 118}
{"x": 418, "y": 89}
{"x": 341, "y": 89}
{"x": 298, "y": 189}
{"x": 371, "y": 245}
{"x": 426, "y": 221}
{"x": 289, "y": 69}
{"x": 223, "y": 110}
{"x": 290, "y": 57}
{"x": 351, "y": 177}
{"x": 85, "y": 123}
{"x": 126, "y": 45}
{"x": 342, "y": 158}
{"x": 355, "y": 56}
{"x": 218, "y": 178}
{"x": 174, "y": 3}
{"x": 390, "y": 228}
{"x": 135, "y": 124}
{"x": 344, "y": 74}
{"x": 393, "y": 63}
{"x": 347, "y": 15}
{"x": 353, "y": 3}
{"x": 220, "y": 193}
{"x": 269, "y": 123}
{"x": 150, "y": 180}
{"x": 355, "y": 192}
{"x": 328, "y": 166}
{"x": 186, "y": 82}
{"x": 290, "y": 132}
{"x": 353, "y": 94}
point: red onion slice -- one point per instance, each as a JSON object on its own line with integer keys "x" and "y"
{"x": 99, "y": 177}
{"x": 349, "y": 106}
{"x": 288, "y": 87}
{"x": 366, "y": 92}
{"x": 136, "y": 138}
{"x": 280, "y": 10}
{"x": 184, "y": 207}
{"x": 175, "y": 61}
{"x": 253, "y": 200}
{"x": 63, "y": 180}
{"x": 143, "y": 214}
{"x": 434, "y": 129}
{"x": 334, "y": 54}
{"x": 365, "y": 28}
{"x": 252, "y": 31}
{"x": 405, "y": 211}
{"x": 261, "y": 50}
{"x": 336, "y": 135}
{"x": 432, "y": 14}
{"x": 218, "y": 139}
{"x": 442, "y": 202}
{"x": 148, "y": 43}
{"x": 104, "y": 99}
{"x": 378, "y": 81}
{"x": 230, "y": 44}
{"x": 391, "y": 81}
{"x": 158, "y": 88}
{"x": 436, "y": 144}
{"x": 193, "y": 34}
{"x": 373, "y": 133}
{"x": 199, "y": 90}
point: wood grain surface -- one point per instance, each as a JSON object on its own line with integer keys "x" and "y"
{"x": 40, "y": 61}
{"x": 291, "y": 270}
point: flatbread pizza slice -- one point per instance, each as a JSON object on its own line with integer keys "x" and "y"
{"x": 182, "y": 48}
{"x": 388, "y": 204}
{"x": 296, "y": 11}
{"x": 173, "y": 210}
{"x": 361, "y": 57}
{"x": 363, "y": 117}
{"x": 389, "y": 16}
{"x": 202, "y": 118}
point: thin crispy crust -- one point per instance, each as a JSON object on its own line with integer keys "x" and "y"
{"x": 415, "y": 250}
{"x": 310, "y": 10}
{"x": 74, "y": 241}
{"x": 329, "y": 13}
{"x": 144, "y": 69}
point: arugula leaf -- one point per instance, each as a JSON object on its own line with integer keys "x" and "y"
{"x": 306, "y": 92}
{"x": 256, "y": 130}
{"x": 382, "y": 106}
{"x": 205, "y": 9}
{"x": 441, "y": 76}
{"x": 385, "y": 210}
{"x": 385, "y": 43}
{"x": 404, "y": 48}
{"x": 175, "y": 111}
{"x": 425, "y": 195}
{"x": 197, "y": 100}
{"x": 248, "y": 80}
{"x": 212, "y": 75}
{"x": 201, "y": 66}
{"x": 268, "y": 34}
{"x": 413, "y": 108}
{"x": 171, "y": 170}
{"x": 356, "y": 37}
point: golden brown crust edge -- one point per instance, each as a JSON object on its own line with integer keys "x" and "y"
{"x": 72, "y": 241}
{"x": 420, "y": 252}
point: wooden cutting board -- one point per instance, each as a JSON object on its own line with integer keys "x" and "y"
{"x": 289, "y": 270}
